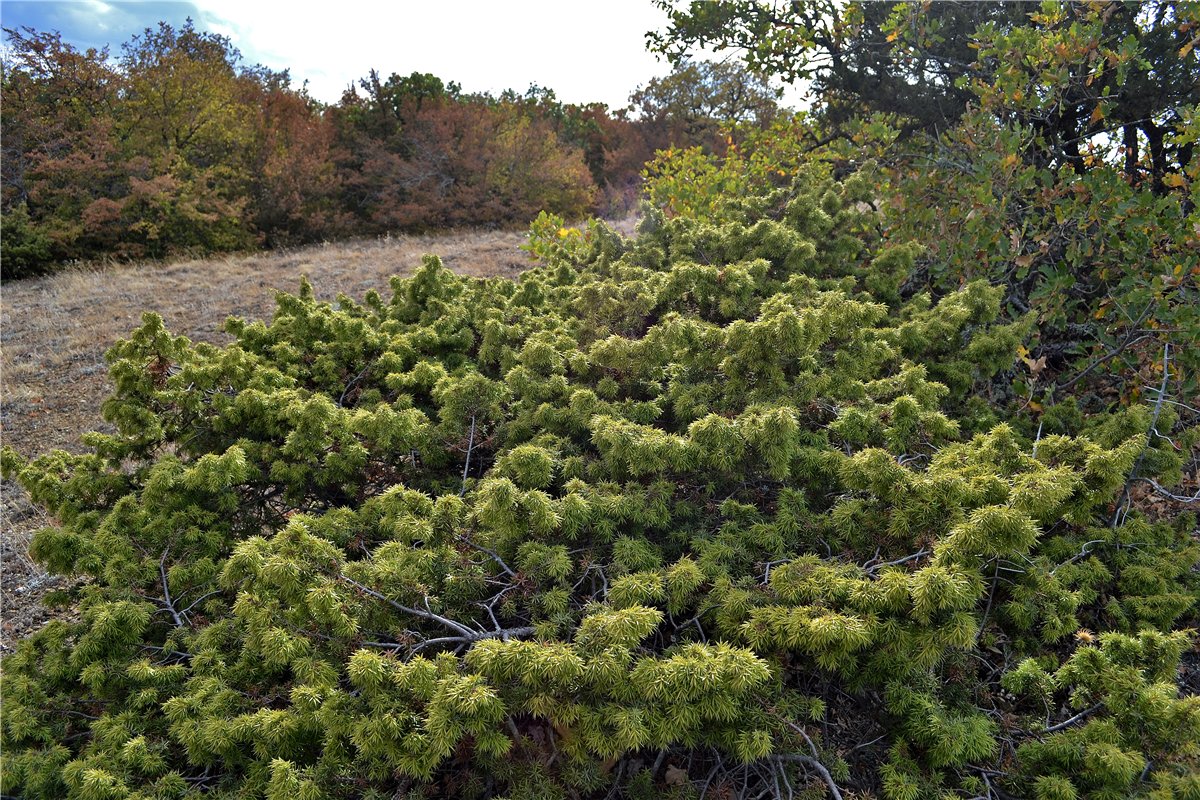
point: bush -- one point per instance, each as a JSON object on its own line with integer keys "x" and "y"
{"x": 24, "y": 250}
{"x": 713, "y": 509}
{"x": 1109, "y": 271}
{"x": 694, "y": 182}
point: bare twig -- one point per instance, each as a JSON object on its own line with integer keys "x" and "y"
{"x": 811, "y": 762}
{"x": 1066, "y": 723}
{"x": 662, "y": 754}
{"x": 712, "y": 774}
{"x": 477, "y": 636}
{"x": 1162, "y": 394}
{"x": 991, "y": 599}
{"x": 352, "y": 382}
{"x": 1130, "y": 340}
{"x": 1084, "y": 552}
{"x": 495, "y": 557}
{"x": 162, "y": 571}
{"x": 461, "y": 630}
{"x": 1178, "y": 498}
{"x": 787, "y": 783}
{"x": 871, "y": 569}
{"x": 767, "y": 572}
{"x": 467, "y": 460}
{"x": 201, "y": 599}
{"x": 463, "y": 634}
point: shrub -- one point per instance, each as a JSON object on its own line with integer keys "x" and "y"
{"x": 714, "y": 508}
{"x": 1054, "y": 153}
{"x": 25, "y": 249}
{"x": 694, "y": 182}
{"x": 467, "y": 163}
{"x": 179, "y": 147}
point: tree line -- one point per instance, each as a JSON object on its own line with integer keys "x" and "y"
{"x": 176, "y": 145}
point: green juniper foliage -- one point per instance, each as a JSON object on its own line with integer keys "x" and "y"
{"x": 708, "y": 510}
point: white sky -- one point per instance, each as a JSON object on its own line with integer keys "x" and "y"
{"x": 584, "y": 51}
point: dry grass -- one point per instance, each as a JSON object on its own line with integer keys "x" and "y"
{"x": 55, "y": 330}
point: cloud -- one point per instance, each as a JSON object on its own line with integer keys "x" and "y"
{"x": 96, "y": 23}
{"x": 584, "y": 52}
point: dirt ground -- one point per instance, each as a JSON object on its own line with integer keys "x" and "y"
{"x": 54, "y": 332}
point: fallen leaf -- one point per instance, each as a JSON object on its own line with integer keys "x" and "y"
{"x": 676, "y": 776}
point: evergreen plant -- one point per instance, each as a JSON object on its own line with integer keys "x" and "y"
{"x": 712, "y": 511}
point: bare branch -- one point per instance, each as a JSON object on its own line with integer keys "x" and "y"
{"x": 1130, "y": 339}
{"x": 871, "y": 569}
{"x": 1178, "y": 498}
{"x": 162, "y": 571}
{"x": 504, "y": 635}
{"x": 353, "y": 381}
{"x": 467, "y": 460}
{"x": 1162, "y": 394}
{"x": 495, "y": 557}
{"x": 201, "y": 599}
{"x": 1084, "y": 552}
{"x": 812, "y": 763}
{"x": 1066, "y": 723}
{"x": 458, "y": 628}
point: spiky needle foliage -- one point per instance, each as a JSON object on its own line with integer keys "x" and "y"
{"x": 712, "y": 509}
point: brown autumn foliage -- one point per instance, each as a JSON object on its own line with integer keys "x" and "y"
{"x": 179, "y": 147}
{"x": 459, "y": 163}
{"x": 295, "y": 194}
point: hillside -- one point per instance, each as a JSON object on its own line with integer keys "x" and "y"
{"x": 57, "y": 328}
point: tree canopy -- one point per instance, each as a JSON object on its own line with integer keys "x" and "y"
{"x": 1080, "y": 73}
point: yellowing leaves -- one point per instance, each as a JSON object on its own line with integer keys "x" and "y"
{"x": 674, "y": 776}
{"x": 1035, "y": 365}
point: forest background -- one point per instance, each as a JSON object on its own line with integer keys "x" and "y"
{"x": 175, "y": 146}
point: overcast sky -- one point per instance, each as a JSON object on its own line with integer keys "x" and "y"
{"x": 584, "y": 51}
